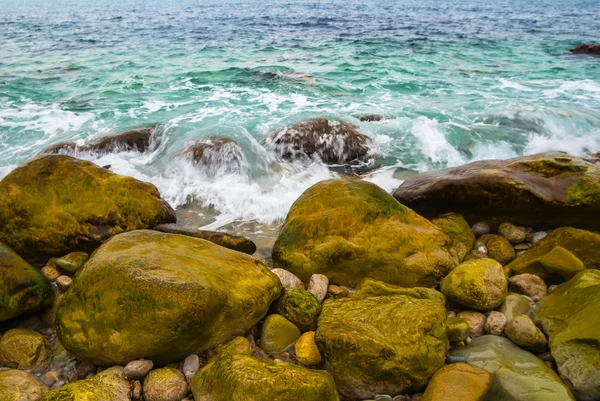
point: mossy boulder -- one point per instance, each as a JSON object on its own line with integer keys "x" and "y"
{"x": 498, "y": 248}
{"x": 17, "y": 385}
{"x": 517, "y": 375}
{"x": 381, "y": 345}
{"x": 458, "y": 381}
{"x": 161, "y": 297}
{"x": 372, "y": 288}
{"x": 233, "y": 374}
{"x": 107, "y": 385}
{"x": 23, "y": 289}
{"x": 569, "y": 315}
{"x": 57, "y": 204}
{"x": 349, "y": 230}
{"x": 478, "y": 283}
{"x": 459, "y": 230}
{"x": 548, "y": 189}
{"x": 24, "y": 349}
{"x": 277, "y": 334}
{"x": 299, "y": 307}
{"x": 560, "y": 255}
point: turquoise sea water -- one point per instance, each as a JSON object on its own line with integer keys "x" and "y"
{"x": 463, "y": 80}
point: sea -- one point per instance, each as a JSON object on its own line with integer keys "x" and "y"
{"x": 457, "y": 81}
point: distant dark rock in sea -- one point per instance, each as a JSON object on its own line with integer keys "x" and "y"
{"x": 588, "y": 48}
{"x": 372, "y": 118}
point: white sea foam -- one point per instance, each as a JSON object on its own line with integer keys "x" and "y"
{"x": 433, "y": 144}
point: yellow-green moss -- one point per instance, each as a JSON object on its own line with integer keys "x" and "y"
{"x": 371, "y": 288}
{"x": 17, "y": 385}
{"x": 459, "y": 230}
{"x": 498, "y": 248}
{"x": 108, "y": 385}
{"x": 24, "y": 349}
{"x": 299, "y": 307}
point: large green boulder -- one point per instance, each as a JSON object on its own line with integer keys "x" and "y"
{"x": 372, "y": 288}
{"x": 348, "y": 230}
{"x": 107, "y": 385}
{"x": 546, "y": 189}
{"x": 161, "y": 297}
{"x": 17, "y": 385}
{"x": 517, "y": 375}
{"x": 560, "y": 255}
{"x": 23, "y": 289}
{"x": 234, "y": 374}
{"x": 57, "y": 204}
{"x": 459, "y": 230}
{"x": 569, "y": 315}
{"x": 381, "y": 345}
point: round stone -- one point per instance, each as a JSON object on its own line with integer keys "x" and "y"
{"x": 165, "y": 384}
{"x": 24, "y": 349}
{"x": 495, "y": 323}
{"x": 307, "y": 352}
{"x": 480, "y": 228}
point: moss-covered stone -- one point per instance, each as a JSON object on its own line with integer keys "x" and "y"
{"x": 161, "y": 297}
{"x": 478, "y": 283}
{"x": 16, "y": 385}
{"x": 72, "y": 262}
{"x": 498, "y": 248}
{"x": 459, "y": 230}
{"x": 231, "y": 241}
{"x": 299, "y": 307}
{"x": 560, "y": 255}
{"x": 57, "y": 204}
{"x": 306, "y": 349}
{"x": 277, "y": 334}
{"x": 517, "y": 375}
{"x": 458, "y": 329}
{"x": 544, "y": 190}
{"x": 165, "y": 384}
{"x": 569, "y": 315}
{"x": 107, "y": 385}
{"x": 514, "y": 305}
{"x": 381, "y": 345}
{"x": 23, "y": 289}
{"x": 460, "y": 382}
{"x": 233, "y": 374}
{"x": 371, "y": 288}
{"x": 24, "y": 349}
{"x": 349, "y": 230}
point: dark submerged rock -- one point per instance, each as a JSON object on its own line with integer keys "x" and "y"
{"x": 216, "y": 154}
{"x": 587, "y": 48}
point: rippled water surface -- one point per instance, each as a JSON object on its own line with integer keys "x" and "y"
{"x": 461, "y": 80}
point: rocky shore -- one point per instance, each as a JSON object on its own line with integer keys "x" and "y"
{"x": 472, "y": 283}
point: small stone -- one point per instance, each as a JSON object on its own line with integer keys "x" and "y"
{"x": 288, "y": 280}
{"x": 63, "y": 282}
{"x": 50, "y": 272}
{"x": 522, "y": 331}
{"x": 299, "y": 307}
{"x": 306, "y": 349}
{"x": 523, "y": 246}
{"x": 335, "y": 292}
{"x": 190, "y": 366}
{"x": 529, "y": 284}
{"x": 25, "y": 349}
{"x": 498, "y": 248}
{"x": 476, "y": 321}
{"x": 383, "y": 397}
{"x": 318, "y": 286}
{"x": 165, "y": 384}
{"x": 512, "y": 233}
{"x": 136, "y": 393}
{"x": 458, "y": 329}
{"x": 538, "y": 236}
{"x": 480, "y": 228}
{"x": 552, "y": 288}
{"x": 495, "y": 323}
{"x": 278, "y": 333}
{"x": 49, "y": 378}
{"x": 451, "y": 313}
{"x": 72, "y": 262}
{"x": 137, "y": 369}
{"x": 513, "y": 305}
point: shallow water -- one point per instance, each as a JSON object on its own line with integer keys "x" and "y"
{"x": 461, "y": 80}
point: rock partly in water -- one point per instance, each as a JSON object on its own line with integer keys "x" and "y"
{"x": 165, "y": 384}
{"x": 23, "y": 289}
{"x": 231, "y": 241}
{"x": 307, "y": 351}
{"x": 133, "y": 140}
{"x": 372, "y": 118}
{"x": 25, "y": 349}
{"x": 349, "y": 230}
{"x": 145, "y": 294}
{"x": 233, "y": 374}
{"x": 107, "y": 385}
{"x": 517, "y": 375}
{"x": 16, "y": 385}
{"x": 587, "y": 48}
{"x": 460, "y": 382}
{"x": 381, "y": 345}
{"x": 522, "y": 331}
{"x": 216, "y": 155}
{"x": 278, "y": 334}
{"x": 373, "y": 288}
{"x": 547, "y": 189}
{"x": 458, "y": 229}
{"x": 300, "y": 307}
{"x": 569, "y": 315}
{"x": 56, "y": 204}
{"x": 498, "y": 248}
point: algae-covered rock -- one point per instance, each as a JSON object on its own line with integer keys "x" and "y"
{"x": 23, "y": 289}
{"x": 459, "y": 230}
{"x": 233, "y": 374}
{"x": 16, "y": 385}
{"x": 478, "y": 283}
{"x": 72, "y": 262}
{"x": 299, "y": 307}
{"x": 569, "y": 315}
{"x": 560, "y": 255}
{"x": 306, "y": 349}
{"x": 161, "y": 297}
{"x": 107, "y": 385}
{"x": 517, "y": 375}
{"x": 24, "y": 349}
{"x": 498, "y": 248}
{"x": 165, "y": 384}
{"x": 370, "y": 288}
{"x": 381, "y": 345}
{"x": 458, "y": 329}
{"x": 57, "y": 204}
{"x": 278, "y": 333}
{"x": 514, "y": 305}
{"x": 547, "y": 189}
{"x": 460, "y": 382}
{"x": 231, "y": 241}
{"x": 349, "y": 230}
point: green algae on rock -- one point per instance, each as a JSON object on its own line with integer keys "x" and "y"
{"x": 17, "y": 385}
{"x": 231, "y": 241}
{"x": 478, "y": 283}
{"x": 458, "y": 329}
{"x": 348, "y": 230}
{"x": 300, "y": 307}
{"x": 498, "y": 248}
{"x": 459, "y": 230}
{"x": 569, "y": 315}
{"x": 372, "y": 288}
{"x": 107, "y": 385}
{"x": 233, "y": 374}
{"x": 24, "y": 349}
{"x": 277, "y": 334}
{"x": 161, "y": 297}
{"x": 547, "y": 189}
{"x": 57, "y": 204}
{"x": 72, "y": 262}
{"x": 381, "y": 345}
{"x": 23, "y": 289}
{"x": 517, "y": 375}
